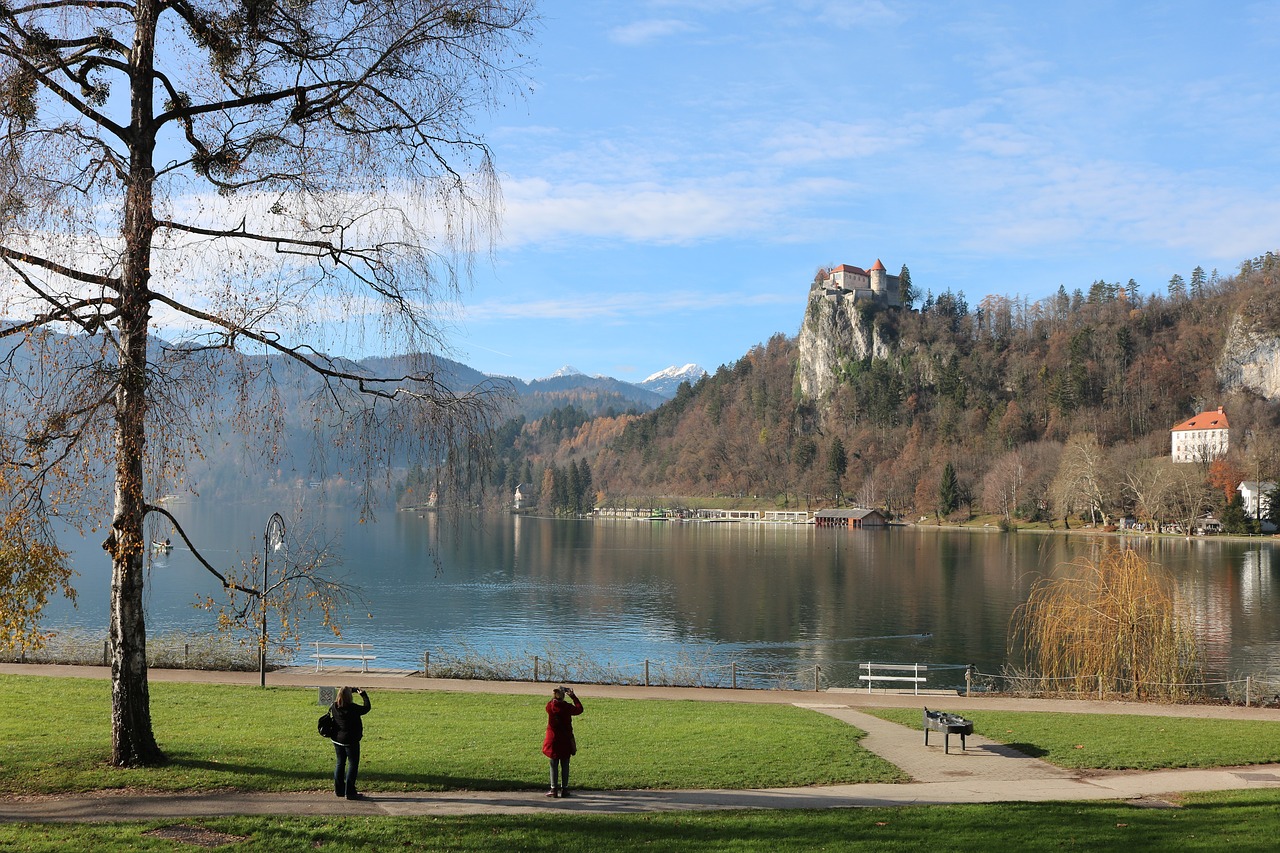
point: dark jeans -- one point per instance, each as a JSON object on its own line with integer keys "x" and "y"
{"x": 560, "y": 766}
{"x": 344, "y": 774}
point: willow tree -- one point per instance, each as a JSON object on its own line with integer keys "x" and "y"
{"x": 1111, "y": 621}
{"x": 256, "y": 178}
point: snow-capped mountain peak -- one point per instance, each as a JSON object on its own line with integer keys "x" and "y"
{"x": 673, "y": 372}
{"x": 567, "y": 370}
{"x": 666, "y": 381}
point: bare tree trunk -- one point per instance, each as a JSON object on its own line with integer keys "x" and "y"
{"x": 132, "y": 740}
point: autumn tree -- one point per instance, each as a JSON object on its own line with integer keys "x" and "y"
{"x": 262, "y": 179}
{"x": 1226, "y": 475}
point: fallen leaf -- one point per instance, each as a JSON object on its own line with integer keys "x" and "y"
{"x": 1121, "y": 825}
{"x": 881, "y": 823}
{"x": 1079, "y": 746}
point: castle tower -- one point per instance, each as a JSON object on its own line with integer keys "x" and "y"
{"x": 878, "y": 284}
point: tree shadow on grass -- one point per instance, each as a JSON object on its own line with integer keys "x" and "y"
{"x": 368, "y": 776}
{"x": 258, "y": 770}
{"x": 1030, "y": 750}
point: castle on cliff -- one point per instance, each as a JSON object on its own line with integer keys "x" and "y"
{"x": 855, "y": 283}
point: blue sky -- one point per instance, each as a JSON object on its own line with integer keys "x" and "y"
{"x": 678, "y": 170}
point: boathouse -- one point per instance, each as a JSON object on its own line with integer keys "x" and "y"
{"x": 854, "y": 519}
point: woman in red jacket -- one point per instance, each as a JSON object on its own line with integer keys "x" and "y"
{"x": 559, "y": 744}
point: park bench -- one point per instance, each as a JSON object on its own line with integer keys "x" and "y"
{"x": 948, "y": 724}
{"x": 872, "y": 672}
{"x": 343, "y": 652}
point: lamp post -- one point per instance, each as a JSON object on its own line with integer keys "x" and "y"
{"x": 276, "y": 524}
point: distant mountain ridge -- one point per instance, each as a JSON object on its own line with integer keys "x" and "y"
{"x": 665, "y": 382}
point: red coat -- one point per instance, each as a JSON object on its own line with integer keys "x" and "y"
{"x": 559, "y": 742}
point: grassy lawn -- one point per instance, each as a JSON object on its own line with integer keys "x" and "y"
{"x": 1121, "y": 741}
{"x": 57, "y": 739}
{"x": 1230, "y": 821}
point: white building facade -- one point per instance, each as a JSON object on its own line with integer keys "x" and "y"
{"x": 1256, "y": 497}
{"x": 1203, "y": 438}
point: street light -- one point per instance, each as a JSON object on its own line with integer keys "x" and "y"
{"x": 275, "y": 523}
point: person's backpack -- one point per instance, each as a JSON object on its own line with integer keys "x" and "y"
{"x": 327, "y": 726}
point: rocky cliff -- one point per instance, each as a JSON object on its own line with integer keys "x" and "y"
{"x": 1250, "y": 360}
{"x": 835, "y": 330}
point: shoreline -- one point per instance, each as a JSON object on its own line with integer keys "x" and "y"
{"x": 292, "y": 677}
{"x": 386, "y": 679}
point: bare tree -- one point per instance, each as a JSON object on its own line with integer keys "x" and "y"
{"x": 259, "y": 178}
{"x": 1084, "y": 478}
{"x": 1003, "y": 486}
{"x": 1189, "y": 498}
{"x": 1153, "y": 484}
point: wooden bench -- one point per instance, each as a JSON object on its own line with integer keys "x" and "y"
{"x": 948, "y": 724}
{"x": 871, "y": 674}
{"x": 343, "y": 651}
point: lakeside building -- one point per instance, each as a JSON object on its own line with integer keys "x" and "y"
{"x": 1256, "y": 497}
{"x": 728, "y": 515}
{"x": 854, "y": 519}
{"x": 1203, "y": 438}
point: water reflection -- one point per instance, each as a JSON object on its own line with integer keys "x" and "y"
{"x": 783, "y": 595}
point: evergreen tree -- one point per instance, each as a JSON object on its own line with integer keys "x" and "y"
{"x": 837, "y": 464}
{"x": 1197, "y": 282}
{"x": 948, "y": 491}
{"x": 906, "y": 292}
{"x": 1234, "y": 519}
{"x": 573, "y": 490}
{"x": 1062, "y": 303}
{"x": 804, "y": 452}
{"x": 1272, "y": 513}
{"x": 587, "y": 501}
{"x": 1177, "y": 287}
{"x": 1131, "y": 289}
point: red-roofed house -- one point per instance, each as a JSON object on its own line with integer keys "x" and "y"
{"x": 1202, "y": 438}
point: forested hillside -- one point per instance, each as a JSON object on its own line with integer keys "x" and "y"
{"x": 1038, "y": 409}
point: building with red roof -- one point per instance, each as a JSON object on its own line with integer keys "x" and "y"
{"x": 1201, "y": 439}
{"x": 848, "y": 281}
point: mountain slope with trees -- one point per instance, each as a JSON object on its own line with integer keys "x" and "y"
{"x": 1030, "y": 410}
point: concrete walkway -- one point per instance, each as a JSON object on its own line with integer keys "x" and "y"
{"x": 985, "y": 772}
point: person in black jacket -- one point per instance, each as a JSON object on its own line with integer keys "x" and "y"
{"x": 346, "y": 741}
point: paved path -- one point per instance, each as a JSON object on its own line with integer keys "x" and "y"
{"x": 985, "y": 772}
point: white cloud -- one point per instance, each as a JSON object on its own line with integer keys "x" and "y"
{"x": 605, "y": 307}
{"x": 806, "y": 142}
{"x": 538, "y": 211}
{"x": 850, "y": 15}
{"x": 643, "y": 32}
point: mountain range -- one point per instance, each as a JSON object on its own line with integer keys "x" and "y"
{"x": 595, "y": 395}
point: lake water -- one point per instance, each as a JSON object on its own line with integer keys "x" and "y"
{"x": 770, "y": 597}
